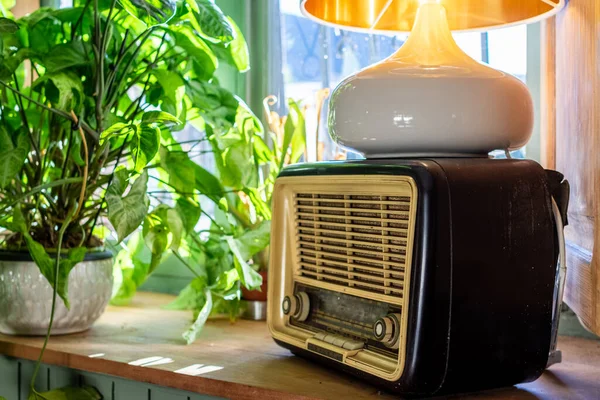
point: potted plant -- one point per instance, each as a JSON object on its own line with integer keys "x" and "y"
{"x": 93, "y": 103}
{"x": 229, "y": 256}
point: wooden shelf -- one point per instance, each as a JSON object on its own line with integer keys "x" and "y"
{"x": 252, "y": 365}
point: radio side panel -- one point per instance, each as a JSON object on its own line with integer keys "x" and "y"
{"x": 501, "y": 304}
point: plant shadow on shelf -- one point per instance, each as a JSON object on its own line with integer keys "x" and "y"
{"x": 97, "y": 102}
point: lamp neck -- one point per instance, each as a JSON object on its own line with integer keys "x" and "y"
{"x": 430, "y": 42}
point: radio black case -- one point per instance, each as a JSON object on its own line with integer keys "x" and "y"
{"x": 484, "y": 267}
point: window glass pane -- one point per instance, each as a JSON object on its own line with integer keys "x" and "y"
{"x": 508, "y": 50}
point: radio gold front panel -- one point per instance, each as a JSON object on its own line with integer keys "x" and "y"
{"x": 341, "y": 264}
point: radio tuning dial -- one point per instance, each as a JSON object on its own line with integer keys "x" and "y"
{"x": 387, "y": 330}
{"x": 298, "y": 306}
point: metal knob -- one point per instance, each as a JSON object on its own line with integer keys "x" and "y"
{"x": 387, "y": 330}
{"x": 297, "y": 305}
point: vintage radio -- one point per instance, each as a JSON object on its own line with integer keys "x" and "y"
{"x": 423, "y": 276}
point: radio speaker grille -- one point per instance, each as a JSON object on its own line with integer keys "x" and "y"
{"x": 354, "y": 241}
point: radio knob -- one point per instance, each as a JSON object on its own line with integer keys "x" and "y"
{"x": 297, "y": 305}
{"x": 387, "y": 330}
{"x": 289, "y": 304}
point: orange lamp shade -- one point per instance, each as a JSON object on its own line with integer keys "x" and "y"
{"x": 399, "y": 15}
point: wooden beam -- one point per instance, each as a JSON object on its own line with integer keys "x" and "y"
{"x": 577, "y": 99}
{"x": 24, "y": 7}
{"x": 548, "y": 93}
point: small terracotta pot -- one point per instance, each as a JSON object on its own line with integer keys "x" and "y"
{"x": 257, "y": 295}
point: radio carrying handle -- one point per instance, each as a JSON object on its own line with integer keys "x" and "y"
{"x": 559, "y": 190}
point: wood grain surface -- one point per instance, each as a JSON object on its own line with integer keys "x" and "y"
{"x": 253, "y": 366}
{"x": 573, "y": 55}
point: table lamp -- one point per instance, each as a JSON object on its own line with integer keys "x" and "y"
{"x": 430, "y": 97}
{"x": 428, "y": 268}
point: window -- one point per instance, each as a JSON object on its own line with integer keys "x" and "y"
{"x": 315, "y": 56}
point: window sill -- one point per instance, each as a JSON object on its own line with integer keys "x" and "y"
{"x": 242, "y": 361}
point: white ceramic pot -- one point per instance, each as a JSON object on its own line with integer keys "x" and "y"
{"x": 26, "y": 295}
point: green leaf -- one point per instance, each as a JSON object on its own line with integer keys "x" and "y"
{"x": 262, "y": 152}
{"x": 67, "y": 264}
{"x": 238, "y": 49}
{"x": 173, "y": 87}
{"x": 133, "y": 263}
{"x": 126, "y": 213}
{"x": 249, "y": 277}
{"x": 204, "y": 61}
{"x": 246, "y": 121}
{"x": 10, "y": 64}
{"x": 159, "y": 117}
{"x": 191, "y": 297}
{"x": 150, "y": 12}
{"x": 45, "y": 263}
{"x": 144, "y": 145}
{"x": 12, "y": 159}
{"x": 298, "y": 142}
{"x": 207, "y": 184}
{"x": 63, "y": 89}
{"x": 254, "y": 240}
{"x": 118, "y": 129}
{"x": 192, "y": 332}
{"x": 75, "y": 153}
{"x": 8, "y": 26}
{"x": 163, "y": 229}
{"x": 216, "y": 104}
{"x": 65, "y": 55}
{"x": 189, "y": 211}
{"x": 226, "y": 281}
{"x": 18, "y": 221}
{"x": 185, "y": 175}
{"x": 210, "y": 22}
{"x": 157, "y": 239}
{"x": 236, "y": 165}
{"x": 261, "y": 206}
{"x": 177, "y": 166}
{"x": 47, "y": 266}
{"x": 175, "y": 227}
{"x": 68, "y": 393}
{"x": 5, "y": 6}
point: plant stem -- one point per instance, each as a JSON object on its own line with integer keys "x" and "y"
{"x": 61, "y": 233}
{"x": 110, "y": 179}
{"x": 85, "y": 168}
{"x": 36, "y": 189}
{"x": 239, "y": 217}
{"x": 111, "y": 78}
{"x": 185, "y": 263}
{"x": 99, "y": 45}
{"x": 139, "y": 100}
{"x": 74, "y": 29}
{"x": 213, "y": 221}
{"x": 105, "y": 34}
{"x": 19, "y": 100}
{"x": 63, "y": 114}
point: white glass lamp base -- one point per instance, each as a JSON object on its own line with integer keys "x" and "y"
{"x": 430, "y": 98}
